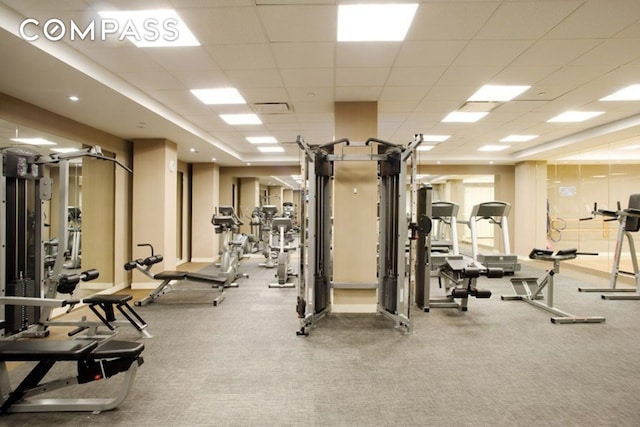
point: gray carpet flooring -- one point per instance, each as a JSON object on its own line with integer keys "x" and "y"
{"x": 499, "y": 364}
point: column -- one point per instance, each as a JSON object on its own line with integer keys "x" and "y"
{"x": 355, "y": 201}
{"x": 154, "y": 198}
{"x": 205, "y": 196}
{"x": 530, "y": 219}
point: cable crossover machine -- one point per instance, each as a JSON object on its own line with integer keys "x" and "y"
{"x": 315, "y": 278}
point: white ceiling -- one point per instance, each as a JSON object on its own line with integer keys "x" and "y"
{"x": 572, "y": 53}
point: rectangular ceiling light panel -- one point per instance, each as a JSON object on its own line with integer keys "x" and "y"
{"x": 33, "y": 141}
{"x": 574, "y": 116}
{"x": 629, "y": 93}
{"x": 463, "y": 117}
{"x": 262, "y": 140}
{"x": 493, "y": 148}
{"x": 147, "y": 28}
{"x": 374, "y": 22}
{"x": 219, "y": 96}
{"x": 241, "y": 119}
{"x": 518, "y": 138}
{"x": 271, "y": 149}
{"x": 497, "y": 93}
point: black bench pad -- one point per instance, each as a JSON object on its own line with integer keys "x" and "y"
{"x": 113, "y": 349}
{"x": 198, "y": 277}
{"x": 111, "y": 299}
{"x": 40, "y": 350}
{"x": 171, "y": 275}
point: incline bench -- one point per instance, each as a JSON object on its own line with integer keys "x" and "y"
{"x": 94, "y": 362}
{"x": 168, "y": 277}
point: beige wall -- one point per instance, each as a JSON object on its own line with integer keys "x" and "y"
{"x": 531, "y": 199}
{"x": 154, "y": 199}
{"x": 205, "y": 198}
{"x": 355, "y": 209}
{"x": 249, "y": 199}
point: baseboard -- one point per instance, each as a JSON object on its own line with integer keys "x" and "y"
{"x": 354, "y": 308}
{"x": 144, "y": 285}
{"x": 209, "y": 260}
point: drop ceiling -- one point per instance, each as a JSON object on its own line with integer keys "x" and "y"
{"x": 571, "y": 53}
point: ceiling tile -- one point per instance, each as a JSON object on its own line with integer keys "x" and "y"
{"x": 183, "y": 59}
{"x": 403, "y": 93}
{"x": 304, "y": 55}
{"x": 308, "y": 77}
{"x": 546, "y": 53}
{"x": 268, "y": 77}
{"x": 296, "y": 23}
{"x": 366, "y": 54}
{"x": 491, "y": 53}
{"x": 526, "y": 19}
{"x": 349, "y": 94}
{"x": 224, "y": 25}
{"x": 597, "y": 20}
{"x": 202, "y": 79}
{"x": 360, "y": 77}
{"x": 414, "y": 76}
{"x": 242, "y": 56}
{"x": 428, "y": 53}
{"x": 450, "y": 20}
{"x": 152, "y": 80}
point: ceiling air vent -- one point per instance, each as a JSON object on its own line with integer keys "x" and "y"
{"x": 271, "y": 107}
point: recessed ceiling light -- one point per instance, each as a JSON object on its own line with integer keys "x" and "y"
{"x": 150, "y": 28}
{"x": 271, "y": 149}
{"x": 241, "y": 119}
{"x": 629, "y": 93}
{"x": 498, "y": 93}
{"x": 518, "y": 138}
{"x": 74, "y": 98}
{"x": 493, "y": 148}
{"x": 464, "y": 117}
{"x": 629, "y": 147}
{"x": 435, "y": 138}
{"x": 262, "y": 139}
{"x": 34, "y": 141}
{"x": 574, "y": 116}
{"x": 219, "y": 96}
{"x": 374, "y": 22}
{"x": 63, "y": 150}
{"x": 425, "y": 147}
{"x": 213, "y": 159}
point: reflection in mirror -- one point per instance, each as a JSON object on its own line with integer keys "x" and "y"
{"x": 79, "y": 235}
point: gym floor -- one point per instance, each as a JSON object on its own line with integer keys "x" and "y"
{"x": 499, "y": 364}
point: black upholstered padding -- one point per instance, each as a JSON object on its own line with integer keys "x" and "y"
{"x": 110, "y": 299}
{"x": 36, "y": 350}
{"x": 113, "y": 349}
{"x": 633, "y": 223}
{"x": 198, "y": 277}
{"x": 170, "y": 275}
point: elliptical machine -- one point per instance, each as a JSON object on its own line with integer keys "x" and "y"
{"x": 282, "y": 237}
{"x": 226, "y": 223}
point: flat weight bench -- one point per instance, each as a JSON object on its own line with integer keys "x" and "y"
{"x": 166, "y": 285}
{"x": 95, "y": 361}
{"x": 529, "y": 290}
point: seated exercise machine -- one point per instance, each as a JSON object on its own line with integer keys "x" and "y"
{"x": 283, "y": 229}
{"x": 629, "y": 222}
{"x": 529, "y": 289}
{"x": 95, "y": 361}
{"x": 233, "y": 245}
{"x": 31, "y": 281}
{"x": 269, "y": 212}
{"x": 443, "y": 215}
{"x": 169, "y": 280}
{"x": 496, "y": 212}
{"x": 458, "y": 276}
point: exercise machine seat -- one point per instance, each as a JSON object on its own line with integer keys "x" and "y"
{"x": 107, "y": 299}
{"x": 29, "y": 351}
{"x": 170, "y": 275}
{"x": 199, "y": 277}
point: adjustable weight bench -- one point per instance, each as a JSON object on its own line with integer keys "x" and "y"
{"x": 169, "y": 278}
{"x": 95, "y": 361}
